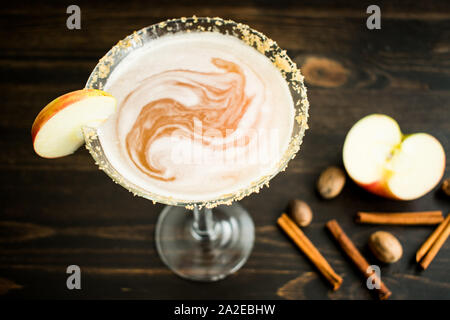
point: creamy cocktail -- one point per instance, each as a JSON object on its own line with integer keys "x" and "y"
{"x": 199, "y": 115}
{"x": 196, "y": 113}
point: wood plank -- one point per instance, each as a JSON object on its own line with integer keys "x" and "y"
{"x": 302, "y": 28}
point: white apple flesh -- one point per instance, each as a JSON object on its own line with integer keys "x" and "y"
{"x": 56, "y": 131}
{"x": 379, "y": 158}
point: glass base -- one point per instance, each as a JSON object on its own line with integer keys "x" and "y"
{"x": 207, "y": 254}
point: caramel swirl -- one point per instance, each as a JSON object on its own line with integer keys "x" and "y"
{"x": 219, "y": 104}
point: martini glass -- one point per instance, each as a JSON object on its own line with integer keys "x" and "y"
{"x": 203, "y": 240}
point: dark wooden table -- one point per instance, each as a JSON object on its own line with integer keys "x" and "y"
{"x": 55, "y": 213}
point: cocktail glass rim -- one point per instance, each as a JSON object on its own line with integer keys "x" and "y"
{"x": 249, "y": 36}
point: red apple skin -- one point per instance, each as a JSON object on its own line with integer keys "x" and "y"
{"x": 379, "y": 188}
{"x": 59, "y": 104}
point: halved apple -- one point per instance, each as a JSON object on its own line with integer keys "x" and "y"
{"x": 56, "y": 131}
{"x": 379, "y": 158}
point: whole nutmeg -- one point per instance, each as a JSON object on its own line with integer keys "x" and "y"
{"x": 300, "y": 212}
{"x": 331, "y": 181}
{"x": 385, "y": 247}
{"x": 446, "y": 186}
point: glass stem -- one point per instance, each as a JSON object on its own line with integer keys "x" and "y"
{"x": 203, "y": 226}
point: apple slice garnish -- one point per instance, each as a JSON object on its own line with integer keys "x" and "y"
{"x": 56, "y": 131}
{"x": 378, "y": 157}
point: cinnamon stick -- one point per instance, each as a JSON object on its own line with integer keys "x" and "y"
{"x": 434, "y": 242}
{"x": 305, "y": 245}
{"x": 431, "y": 239}
{"x": 357, "y": 258}
{"x": 398, "y": 218}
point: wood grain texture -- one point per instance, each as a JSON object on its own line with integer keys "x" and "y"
{"x": 65, "y": 211}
